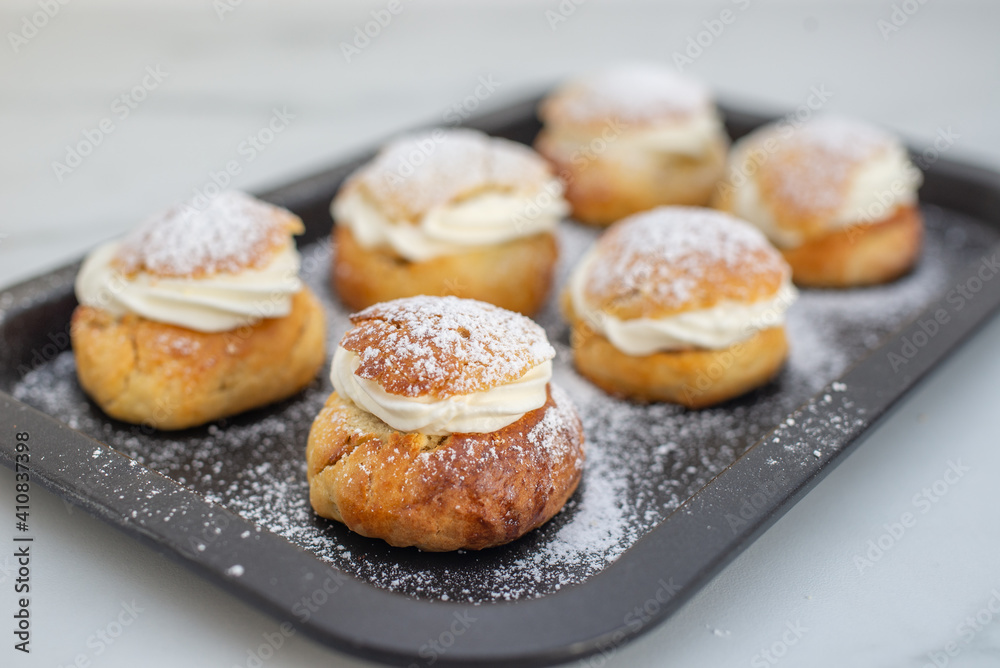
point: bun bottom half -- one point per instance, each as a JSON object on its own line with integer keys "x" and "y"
{"x": 442, "y": 493}
{"x": 146, "y": 372}
{"x": 602, "y": 191}
{"x": 515, "y": 275}
{"x": 860, "y": 254}
{"x": 692, "y": 378}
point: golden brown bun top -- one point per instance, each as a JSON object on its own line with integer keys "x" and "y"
{"x": 234, "y": 232}
{"x": 444, "y": 346}
{"x": 674, "y": 259}
{"x": 635, "y": 94}
{"x": 804, "y": 174}
{"x": 412, "y": 175}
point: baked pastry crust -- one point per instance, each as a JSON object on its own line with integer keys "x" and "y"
{"x": 441, "y": 347}
{"x": 631, "y": 277}
{"x": 402, "y": 230}
{"x": 241, "y": 233}
{"x": 168, "y": 377}
{"x": 639, "y": 94}
{"x": 694, "y": 378}
{"x": 804, "y": 179}
{"x": 515, "y": 275}
{"x": 860, "y": 254}
{"x": 441, "y": 493}
{"x": 586, "y": 120}
{"x": 663, "y": 264}
{"x": 457, "y": 166}
{"x": 602, "y": 191}
{"x": 804, "y": 176}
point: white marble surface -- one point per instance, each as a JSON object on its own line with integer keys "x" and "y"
{"x": 223, "y": 79}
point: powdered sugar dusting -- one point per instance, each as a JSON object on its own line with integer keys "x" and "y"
{"x": 812, "y": 168}
{"x": 642, "y": 463}
{"x": 847, "y": 137}
{"x": 444, "y": 346}
{"x": 630, "y": 93}
{"x": 553, "y": 444}
{"x": 233, "y": 232}
{"x": 414, "y": 174}
{"x": 673, "y": 256}
{"x": 549, "y": 434}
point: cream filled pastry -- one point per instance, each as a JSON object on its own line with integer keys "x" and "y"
{"x": 444, "y": 430}
{"x": 630, "y": 138}
{"x": 448, "y": 212}
{"x": 837, "y": 196}
{"x": 679, "y": 304}
{"x": 197, "y": 315}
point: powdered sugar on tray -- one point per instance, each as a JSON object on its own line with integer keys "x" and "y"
{"x": 642, "y": 462}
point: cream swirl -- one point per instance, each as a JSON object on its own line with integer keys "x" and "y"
{"x": 715, "y": 328}
{"x": 482, "y": 220}
{"x": 218, "y": 302}
{"x": 691, "y": 135}
{"x": 477, "y": 412}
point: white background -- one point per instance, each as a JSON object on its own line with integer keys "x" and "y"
{"x": 940, "y": 70}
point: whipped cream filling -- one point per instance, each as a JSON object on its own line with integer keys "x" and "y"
{"x": 879, "y": 186}
{"x": 691, "y": 136}
{"x": 478, "y": 412}
{"x": 715, "y": 328}
{"x": 214, "y": 303}
{"x": 486, "y": 219}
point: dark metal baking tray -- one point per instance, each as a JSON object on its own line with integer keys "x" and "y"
{"x": 228, "y": 500}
